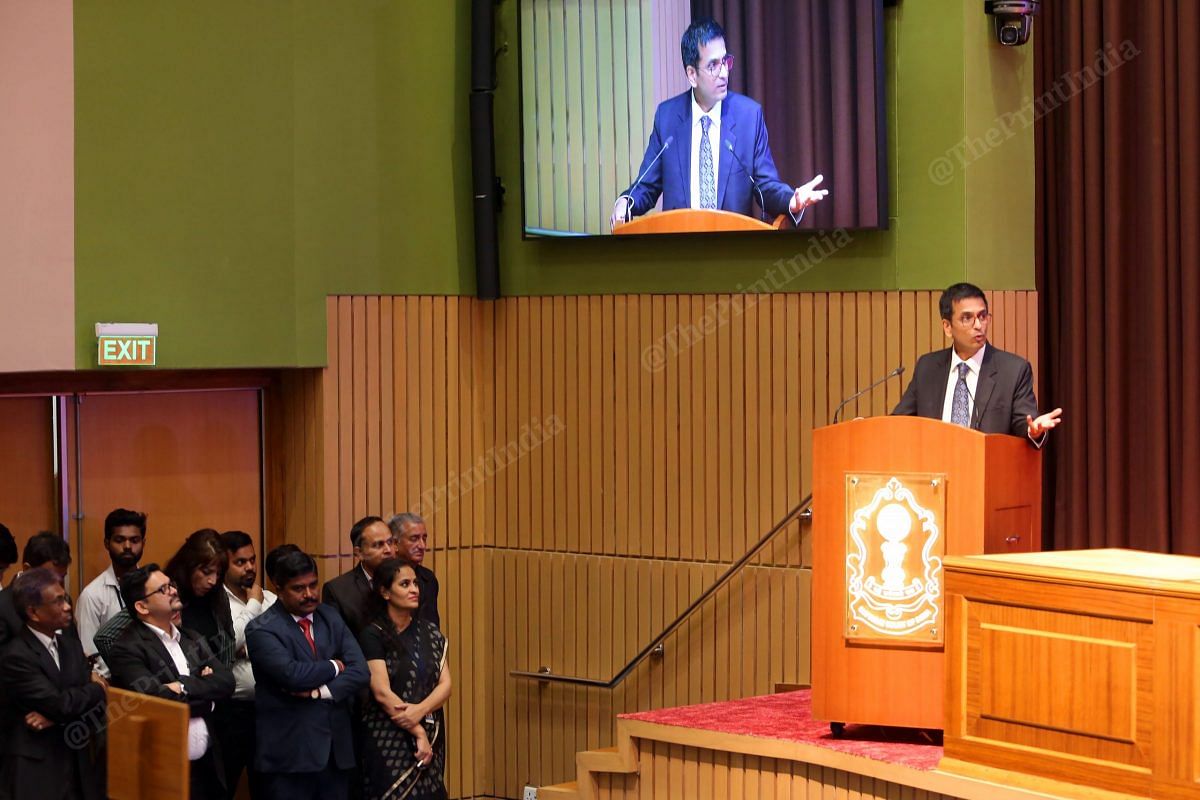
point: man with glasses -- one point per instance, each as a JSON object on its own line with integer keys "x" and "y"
{"x": 54, "y": 705}
{"x": 350, "y": 592}
{"x": 155, "y": 656}
{"x": 100, "y": 600}
{"x": 706, "y": 140}
{"x": 972, "y": 383}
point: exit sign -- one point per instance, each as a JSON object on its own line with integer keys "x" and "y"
{"x": 126, "y": 344}
{"x": 127, "y": 351}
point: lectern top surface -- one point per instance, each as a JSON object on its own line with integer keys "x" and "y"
{"x": 1114, "y": 562}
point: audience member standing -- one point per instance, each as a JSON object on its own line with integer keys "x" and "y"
{"x": 124, "y": 538}
{"x": 48, "y": 686}
{"x": 154, "y": 656}
{"x": 247, "y": 600}
{"x": 404, "y": 749}
{"x": 197, "y": 569}
{"x": 412, "y": 542}
{"x": 350, "y": 592}
{"x": 308, "y": 669}
{"x": 43, "y": 550}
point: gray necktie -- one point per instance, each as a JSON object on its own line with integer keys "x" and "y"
{"x": 708, "y": 183}
{"x": 960, "y": 409}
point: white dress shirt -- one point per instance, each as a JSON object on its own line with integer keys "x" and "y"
{"x": 714, "y": 138}
{"x": 974, "y": 363}
{"x": 198, "y": 737}
{"x": 243, "y": 674}
{"x": 99, "y": 602}
{"x": 50, "y": 643}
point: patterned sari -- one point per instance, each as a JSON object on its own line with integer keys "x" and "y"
{"x": 414, "y": 659}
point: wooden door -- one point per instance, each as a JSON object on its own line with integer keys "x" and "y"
{"x": 28, "y": 497}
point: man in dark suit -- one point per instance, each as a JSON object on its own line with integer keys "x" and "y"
{"x": 714, "y": 137}
{"x": 55, "y": 704}
{"x": 350, "y": 592}
{"x": 155, "y": 656}
{"x": 972, "y": 383}
{"x": 412, "y": 542}
{"x": 43, "y": 550}
{"x": 308, "y": 669}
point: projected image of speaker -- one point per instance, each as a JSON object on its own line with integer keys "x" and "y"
{"x": 657, "y": 117}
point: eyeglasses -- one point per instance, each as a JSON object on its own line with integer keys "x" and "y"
{"x": 713, "y": 67}
{"x": 167, "y": 588}
{"x": 968, "y": 320}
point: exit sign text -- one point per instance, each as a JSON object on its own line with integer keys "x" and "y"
{"x": 126, "y": 351}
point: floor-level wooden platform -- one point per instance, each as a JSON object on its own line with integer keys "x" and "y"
{"x": 658, "y": 759}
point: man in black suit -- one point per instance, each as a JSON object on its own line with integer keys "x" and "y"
{"x": 308, "y": 669}
{"x": 55, "y": 703}
{"x": 412, "y": 542}
{"x": 350, "y": 592}
{"x": 155, "y": 656}
{"x": 45, "y": 549}
{"x": 973, "y": 383}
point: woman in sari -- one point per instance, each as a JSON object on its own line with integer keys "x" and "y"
{"x": 404, "y": 748}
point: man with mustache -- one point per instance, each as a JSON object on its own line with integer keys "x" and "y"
{"x": 155, "y": 656}
{"x": 49, "y": 688}
{"x": 689, "y": 159}
{"x": 100, "y": 601}
{"x": 308, "y": 670}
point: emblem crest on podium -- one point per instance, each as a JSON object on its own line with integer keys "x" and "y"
{"x": 894, "y": 549}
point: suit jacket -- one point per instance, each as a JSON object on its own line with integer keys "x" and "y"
{"x": 34, "y": 761}
{"x": 350, "y": 594}
{"x": 1003, "y": 394}
{"x": 297, "y": 734}
{"x": 742, "y": 126}
{"x": 427, "y": 606}
{"x": 140, "y": 663}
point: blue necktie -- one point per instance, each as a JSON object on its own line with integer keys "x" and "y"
{"x": 960, "y": 409}
{"x": 708, "y": 183}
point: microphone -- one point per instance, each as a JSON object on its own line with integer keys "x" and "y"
{"x": 897, "y": 371}
{"x": 642, "y": 177}
{"x": 762, "y": 206}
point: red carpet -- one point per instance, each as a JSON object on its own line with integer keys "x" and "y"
{"x": 789, "y": 717}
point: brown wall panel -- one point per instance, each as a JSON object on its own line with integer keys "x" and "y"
{"x": 588, "y": 466}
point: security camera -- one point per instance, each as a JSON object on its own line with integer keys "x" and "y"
{"x": 1014, "y": 19}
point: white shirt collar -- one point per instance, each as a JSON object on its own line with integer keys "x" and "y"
{"x": 110, "y": 577}
{"x": 698, "y": 112}
{"x": 47, "y": 641}
{"x": 974, "y": 363}
{"x": 308, "y": 617}
{"x": 173, "y": 636}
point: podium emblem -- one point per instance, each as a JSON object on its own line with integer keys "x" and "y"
{"x": 894, "y": 549}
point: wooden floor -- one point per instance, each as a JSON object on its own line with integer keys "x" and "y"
{"x": 651, "y": 760}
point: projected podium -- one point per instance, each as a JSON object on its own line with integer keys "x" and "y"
{"x": 692, "y": 220}
{"x": 891, "y": 497}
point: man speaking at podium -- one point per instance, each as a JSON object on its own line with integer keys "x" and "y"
{"x": 708, "y": 147}
{"x": 973, "y": 383}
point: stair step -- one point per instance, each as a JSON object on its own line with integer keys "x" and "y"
{"x": 559, "y": 790}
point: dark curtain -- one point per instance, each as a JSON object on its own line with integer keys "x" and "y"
{"x": 1118, "y": 248}
{"x": 815, "y": 67}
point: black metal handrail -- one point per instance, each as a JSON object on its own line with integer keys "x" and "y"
{"x": 544, "y": 674}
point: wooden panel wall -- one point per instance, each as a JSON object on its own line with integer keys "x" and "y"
{"x": 676, "y": 772}
{"x": 588, "y": 465}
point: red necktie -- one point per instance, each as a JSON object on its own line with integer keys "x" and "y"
{"x": 306, "y": 626}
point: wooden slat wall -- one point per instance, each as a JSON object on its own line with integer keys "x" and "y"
{"x": 587, "y": 99}
{"x": 580, "y": 492}
{"x": 676, "y": 771}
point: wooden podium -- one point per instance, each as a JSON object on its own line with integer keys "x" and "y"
{"x": 891, "y": 497}
{"x": 692, "y": 220}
